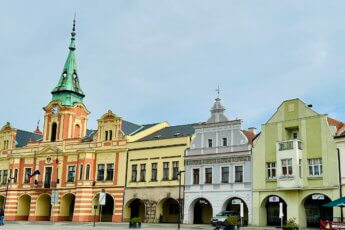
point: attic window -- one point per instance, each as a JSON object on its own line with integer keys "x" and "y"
{"x": 158, "y": 136}
{"x": 74, "y": 75}
{"x": 64, "y": 74}
{"x": 177, "y": 134}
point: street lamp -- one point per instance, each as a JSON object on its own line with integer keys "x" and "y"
{"x": 179, "y": 198}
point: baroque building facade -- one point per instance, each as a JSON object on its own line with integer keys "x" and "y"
{"x": 218, "y": 169}
{"x": 295, "y": 166}
{"x": 70, "y": 165}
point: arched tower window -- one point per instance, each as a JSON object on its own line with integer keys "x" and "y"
{"x": 106, "y": 135}
{"x": 87, "y": 174}
{"x": 53, "y": 133}
{"x": 77, "y": 131}
{"x": 110, "y": 135}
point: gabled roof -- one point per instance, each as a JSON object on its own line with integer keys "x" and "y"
{"x": 171, "y": 132}
{"x": 90, "y": 133}
{"x": 23, "y": 137}
{"x": 250, "y": 135}
{"x": 129, "y": 127}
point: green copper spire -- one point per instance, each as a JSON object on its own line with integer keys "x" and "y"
{"x": 68, "y": 90}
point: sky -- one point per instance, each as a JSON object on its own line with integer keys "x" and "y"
{"x": 161, "y": 60}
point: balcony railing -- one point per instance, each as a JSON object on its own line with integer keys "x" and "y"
{"x": 291, "y": 144}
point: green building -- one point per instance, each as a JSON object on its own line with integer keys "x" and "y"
{"x": 295, "y": 166}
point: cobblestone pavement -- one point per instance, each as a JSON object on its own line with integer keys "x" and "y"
{"x": 89, "y": 226}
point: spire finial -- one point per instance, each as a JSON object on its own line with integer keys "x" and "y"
{"x": 73, "y": 29}
{"x": 218, "y": 91}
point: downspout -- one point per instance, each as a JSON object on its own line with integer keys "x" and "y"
{"x": 340, "y": 185}
{"x": 124, "y": 190}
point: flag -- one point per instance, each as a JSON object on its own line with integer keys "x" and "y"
{"x": 36, "y": 172}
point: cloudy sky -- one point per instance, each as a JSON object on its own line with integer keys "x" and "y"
{"x": 161, "y": 60}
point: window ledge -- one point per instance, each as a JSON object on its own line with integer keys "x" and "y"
{"x": 289, "y": 177}
{"x": 271, "y": 179}
{"x": 315, "y": 177}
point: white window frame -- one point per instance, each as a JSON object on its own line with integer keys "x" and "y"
{"x": 287, "y": 167}
{"x": 319, "y": 165}
{"x": 207, "y": 167}
{"x": 271, "y": 168}
{"x": 227, "y": 141}
{"x": 192, "y": 175}
{"x": 234, "y": 173}
{"x": 220, "y": 174}
{"x": 75, "y": 173}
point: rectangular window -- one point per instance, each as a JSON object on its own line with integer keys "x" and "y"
{"x": 225, "y": 141}
{"x": 210, "y": 143}
{"x": 0, "y": 176}
{"x": 315, "y": 167}
{"x": 238, "y": 173}
{"x": 286, "y": 167}
{"x": 87, "y": 173}
{"x": 134, "y": 173}
{"x": 100, "y": 172}
{"x": 15, "y": 176}
{"x": 71, "y": 173}
{"x": 165, "y": 170}
{"x": 81, "y": 172}
{"x": 208, "y": 175}
{"x": 196, "y": 176}
{"x": 175, "y": 170}
{"x": 26, "y": 175}
{"x": 271, "y": 170}
{"x": 225, "y": 174}
{"x": 110, "y": 172}
{"x": 4, "y": 179}
{"x": 142, "y": 172}
{"x": 154, "y": 172}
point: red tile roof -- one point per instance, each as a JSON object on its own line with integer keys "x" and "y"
{"x": 250, "y": 135}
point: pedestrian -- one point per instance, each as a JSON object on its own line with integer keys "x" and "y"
{"x": 2, "y": 215}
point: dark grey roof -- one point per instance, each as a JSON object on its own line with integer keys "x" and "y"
{"x": 171, "y": 132}
{"x": 142, "y": 128}
{"x": 23, "y": 137}
{"x": 129, "y": 127}
{"x": 90, "y": 133}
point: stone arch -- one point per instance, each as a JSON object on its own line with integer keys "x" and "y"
{"x": 23, "y": 208}
{"x": 200, "y": 211}
{"x": 269, "y": 208}
{"x": 314, "y": 210}
{"x": 43, "y": 207}
{"x": 135, "y": 208}
{"x": 67, "y": 207}
{"x": 233, "y": 204}
{"x": 106, "y": 212}
{"x": 167, "y": 210}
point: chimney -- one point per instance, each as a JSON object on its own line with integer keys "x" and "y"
{"x": 252, "y": 130}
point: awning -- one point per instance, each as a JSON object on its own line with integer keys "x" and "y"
{"x": 336, "y": 203}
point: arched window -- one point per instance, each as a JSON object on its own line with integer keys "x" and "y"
{"x": 110, "y": 135}
{"x": 87, "y": 174}
{"x": 53, "y": 133}
{"x": 106, "y": 135}
{"x": 77, "y": 131}
{"x": 81, "y": 172}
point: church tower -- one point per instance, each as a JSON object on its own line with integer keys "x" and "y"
{"x": 66, "y": 115}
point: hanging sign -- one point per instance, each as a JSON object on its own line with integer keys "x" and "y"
{"x": 101, "y": 198}
{"x": 318, "y": 197}
{"x": 236, "y": 201}
{"x": 55, "y": 197}
{"x": 273, "y": 199}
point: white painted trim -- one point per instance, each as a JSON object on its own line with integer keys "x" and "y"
{"x": 234, "y": 177}
{"x": 220, "y": 173}
{"x": 204, "y": 178}
{"x": 192, "y": 169}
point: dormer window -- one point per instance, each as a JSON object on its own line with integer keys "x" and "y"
{"x": 106, "y": 135}
{"x": 64, "y": 75}
{"x": 75, "y": 75}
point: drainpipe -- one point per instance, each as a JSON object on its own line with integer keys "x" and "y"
{"x": 124, "y": 190}
{"x": 340, "y": 185}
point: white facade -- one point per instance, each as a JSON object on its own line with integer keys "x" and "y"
{"x": 218, "y": 169}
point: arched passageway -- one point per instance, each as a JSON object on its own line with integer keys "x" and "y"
{"x": 67, "y": 207}
{"x": 104, "y": 212}
{"x": 23, "y": 208}
{"x": 167, "y": 210}
{"x": 134, "y": 208}
{"x": 200, "y": 211}
{"x": 43, "y": 207}
{"x": 272, "y": 205}
{"x": 315, "y": 211}
{"x": 234, "y": 204}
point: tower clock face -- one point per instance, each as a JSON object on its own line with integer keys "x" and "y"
{"x": 55, "y": 110}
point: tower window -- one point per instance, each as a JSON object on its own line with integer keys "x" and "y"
{"x": 110, "y": 135}
{"x": 53, "y": 133}
{"x": 106, "y": 135}
{"x": 77, "y": 131}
